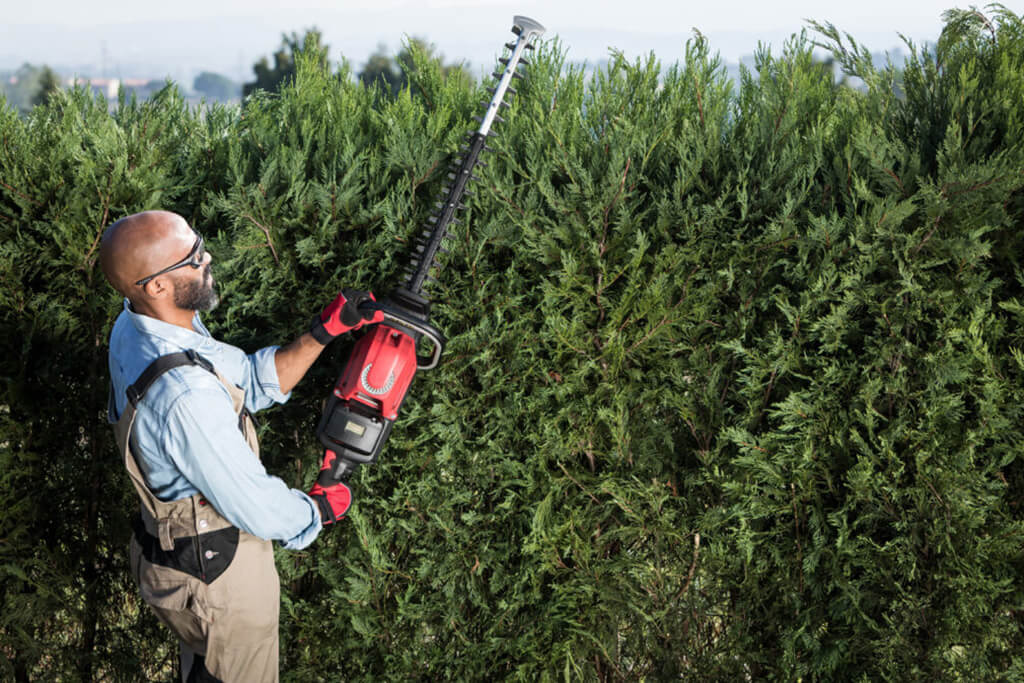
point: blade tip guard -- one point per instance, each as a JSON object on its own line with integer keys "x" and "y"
{"x": 528, "y": 26}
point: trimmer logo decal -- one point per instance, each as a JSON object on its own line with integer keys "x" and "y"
{"x": 374, "y": 390}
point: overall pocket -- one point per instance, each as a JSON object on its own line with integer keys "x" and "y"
{"x": 175, "y": 597}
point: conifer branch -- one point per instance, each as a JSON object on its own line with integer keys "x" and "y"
{"x": 897, "y": 179}
{"x": 796, "y": 535}
{"x": 700, "y": 100}
{"x": 766, "y": 398}
{"x": 266, "y": 232}
{"x": 693, "y": 431}
{"x": 728, "y": 382}
{"x": 416, "y": 182}
{"x": 574, "y": 348}
{"x": 917, "y": 249}
{"x": 565, "y": 157}
{"x": 603, "y": 244}
{"x": 103, "y": 222}
{"x": 778, "y": 122}
{"x": 21, "y": 194}
{"x": 938, "y": 498}
{"x": 664, "y": 321}
{"x": 588, "y": 450}
{"x": 693, "y": 566}
{"x": 622, "y": 185}
{"x": 508, "y": 201}
{"x": 582, "y": 487}
{"x": 973, "y": 188}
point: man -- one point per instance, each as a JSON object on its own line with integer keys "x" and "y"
{"x": 201, "y": 550}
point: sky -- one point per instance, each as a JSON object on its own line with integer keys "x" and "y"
{"x": 136, "y": 38}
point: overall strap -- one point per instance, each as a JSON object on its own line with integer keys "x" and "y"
{"x": 165, "y": 520}
{"x": 160, "y": 366}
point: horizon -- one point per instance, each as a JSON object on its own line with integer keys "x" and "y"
{"x": 227, "y": 38}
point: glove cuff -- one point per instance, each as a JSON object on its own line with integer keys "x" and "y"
{"x": 319, "y": 331}
{"x": 326, "y": 513}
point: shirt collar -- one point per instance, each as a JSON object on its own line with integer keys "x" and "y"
{"x": 173, "y": 333}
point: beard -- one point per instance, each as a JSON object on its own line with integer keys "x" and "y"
{"x": 197, "y": 296}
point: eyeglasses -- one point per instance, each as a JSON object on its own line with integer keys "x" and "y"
{"x": 194, "y": 259}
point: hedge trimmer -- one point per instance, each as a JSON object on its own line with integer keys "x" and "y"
{"x": 362, "y": 409}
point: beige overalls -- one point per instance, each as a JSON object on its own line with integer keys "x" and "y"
{"x": 213, "y": 584}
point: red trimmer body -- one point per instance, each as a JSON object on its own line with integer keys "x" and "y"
{"x": 358, "y": 416}
{"x": 379, "y": 370}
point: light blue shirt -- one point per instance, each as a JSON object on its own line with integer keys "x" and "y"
{"x": 186, "y": 438}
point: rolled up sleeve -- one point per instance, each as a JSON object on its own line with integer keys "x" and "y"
{"x": 261, "y": 383}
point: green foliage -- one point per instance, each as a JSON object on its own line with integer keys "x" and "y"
{"x": 66, "y": 171}
{"x": 733, "y": 387}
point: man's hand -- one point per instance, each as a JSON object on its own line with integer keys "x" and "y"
{"x": 333, "y": 500}
{"x": 343, "y": 315}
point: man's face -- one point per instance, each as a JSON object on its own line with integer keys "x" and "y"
{"x": 196, "y": 291}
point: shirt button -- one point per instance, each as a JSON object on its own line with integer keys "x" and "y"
{"x": 210, "y": 554}
{"x": 203, "y": 524}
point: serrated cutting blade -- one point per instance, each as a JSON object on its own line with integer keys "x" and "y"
{"x": 450, "y": 203}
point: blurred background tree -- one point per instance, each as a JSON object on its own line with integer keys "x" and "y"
{"x": 271, "y": 78}
{"x": 21, "y": 87}
{"x": 216, "y": 86}
{"x": 381, "y": 68}
{"x": 394, "y": 73}
{"x": 48, "y": 83}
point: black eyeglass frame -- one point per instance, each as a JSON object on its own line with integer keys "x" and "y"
{"x": 194, "y": 259}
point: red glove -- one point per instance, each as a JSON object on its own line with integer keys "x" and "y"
{"x": 343, "y": 315}
{"x": 334, "y": 500}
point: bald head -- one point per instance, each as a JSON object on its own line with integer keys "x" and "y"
{"x": 141, "y": 244}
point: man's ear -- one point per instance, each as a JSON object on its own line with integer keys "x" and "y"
{"x": 158, "y": 288}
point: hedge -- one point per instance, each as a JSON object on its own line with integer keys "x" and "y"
{"x": 734, "y": 387}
